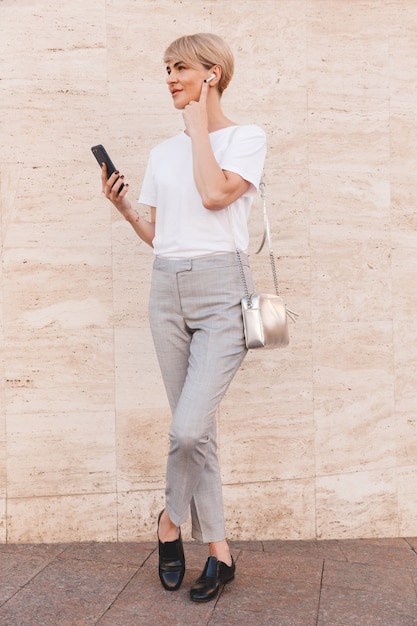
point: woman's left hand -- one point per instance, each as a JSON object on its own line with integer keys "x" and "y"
{"x": 195, "y": 113}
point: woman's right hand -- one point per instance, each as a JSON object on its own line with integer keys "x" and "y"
{"x": 110, "y": 188}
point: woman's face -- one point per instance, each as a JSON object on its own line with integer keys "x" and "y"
{"x": 184, "y": 82}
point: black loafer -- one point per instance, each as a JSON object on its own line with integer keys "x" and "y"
{"x": 171, "y": 567}
{"x": 214, "y": 575}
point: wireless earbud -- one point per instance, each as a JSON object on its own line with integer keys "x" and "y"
{"x": 210, "y": 78}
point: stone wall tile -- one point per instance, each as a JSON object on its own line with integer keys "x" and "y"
{"x": 3, "y": 521}
{"x": 60, "y": 454}
{"x": 132, "y": 270}
{"x": 281, "y": 377}
{"x": 405, "y": 337}
{"x": 350, "y": 282}
{"x": 404, "y": 297}
{"x": 138, "y": 380}
{"x": 348, "y": 134}
{"x": 340, "y": 59}
{"x": 55, "y": 124}
{"x": 407, "y": 500}
{"x": 403, "y": 214}
{"x": 354, "y": 398}
{"x": 59, "y": 371}
{"x": 288, "y": 207}
{"x": 403, "y": 142}
{"x": 269, "y": 44}
{"x": 266, "y": 440}
{"x": 403, "y": 51}
{"x": 43, "y": 39}
{"x": 142, "y": 446}
{"x": 361, "y": 504}
{"x": 262, "y": 511}
{"x": 62, "y": 519}
{"x": 352, "y": 205}
{"x": 138, "y": 513}
{"x": 145, "y": 37}
{"x": 3, "y": 456}
{"x": 75, "y": 218}
{"x": 69, "y": 290}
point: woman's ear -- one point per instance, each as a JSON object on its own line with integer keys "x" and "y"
{"x": 215, "y": 75}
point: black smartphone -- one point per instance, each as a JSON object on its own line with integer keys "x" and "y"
{"x": 102, "y": 156}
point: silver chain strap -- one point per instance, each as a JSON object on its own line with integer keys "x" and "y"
{"x": 274, "y": 271}
{"x": 266, "y": 237}
{"x": 242, "y": 274}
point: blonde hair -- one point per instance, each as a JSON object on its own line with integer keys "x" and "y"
{"x": 204, "y": 48}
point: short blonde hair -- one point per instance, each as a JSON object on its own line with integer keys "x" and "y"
{"x": 207, "y": 49}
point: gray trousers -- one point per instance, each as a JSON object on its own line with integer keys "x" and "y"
{"x": 197, "y": 328}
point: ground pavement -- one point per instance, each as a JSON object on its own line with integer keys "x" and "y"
{"x": 369, "y": 582}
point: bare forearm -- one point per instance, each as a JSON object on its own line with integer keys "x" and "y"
{"x": 209, "y": 178}
{"x": 142, "y": 227}
{"x": 118, "y": 197}
{"x": 218, "y": 188}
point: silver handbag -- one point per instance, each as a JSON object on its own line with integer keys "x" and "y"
{"x": 265, "y": 321}
{"x": 265, "y": 316}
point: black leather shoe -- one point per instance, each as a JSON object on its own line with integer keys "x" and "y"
{"x": 171, "y": 562}
{"x": 214, "y": 575}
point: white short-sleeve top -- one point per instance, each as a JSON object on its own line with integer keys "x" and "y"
{"x": 184, "y": 227}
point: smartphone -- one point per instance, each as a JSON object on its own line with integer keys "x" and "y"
{"x": 102, "y": 156}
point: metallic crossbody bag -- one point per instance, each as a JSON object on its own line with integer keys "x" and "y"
{"x": 265, "y": 316}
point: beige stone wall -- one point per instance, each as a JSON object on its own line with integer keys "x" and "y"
{"x": 317, "y": 440}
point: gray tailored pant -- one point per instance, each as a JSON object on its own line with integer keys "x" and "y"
{"x": 196, "y": 322}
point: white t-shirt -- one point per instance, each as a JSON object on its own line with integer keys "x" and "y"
{"x": 184, "y": 227}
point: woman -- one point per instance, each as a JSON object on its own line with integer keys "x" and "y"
{"x": 199, "y": 186}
